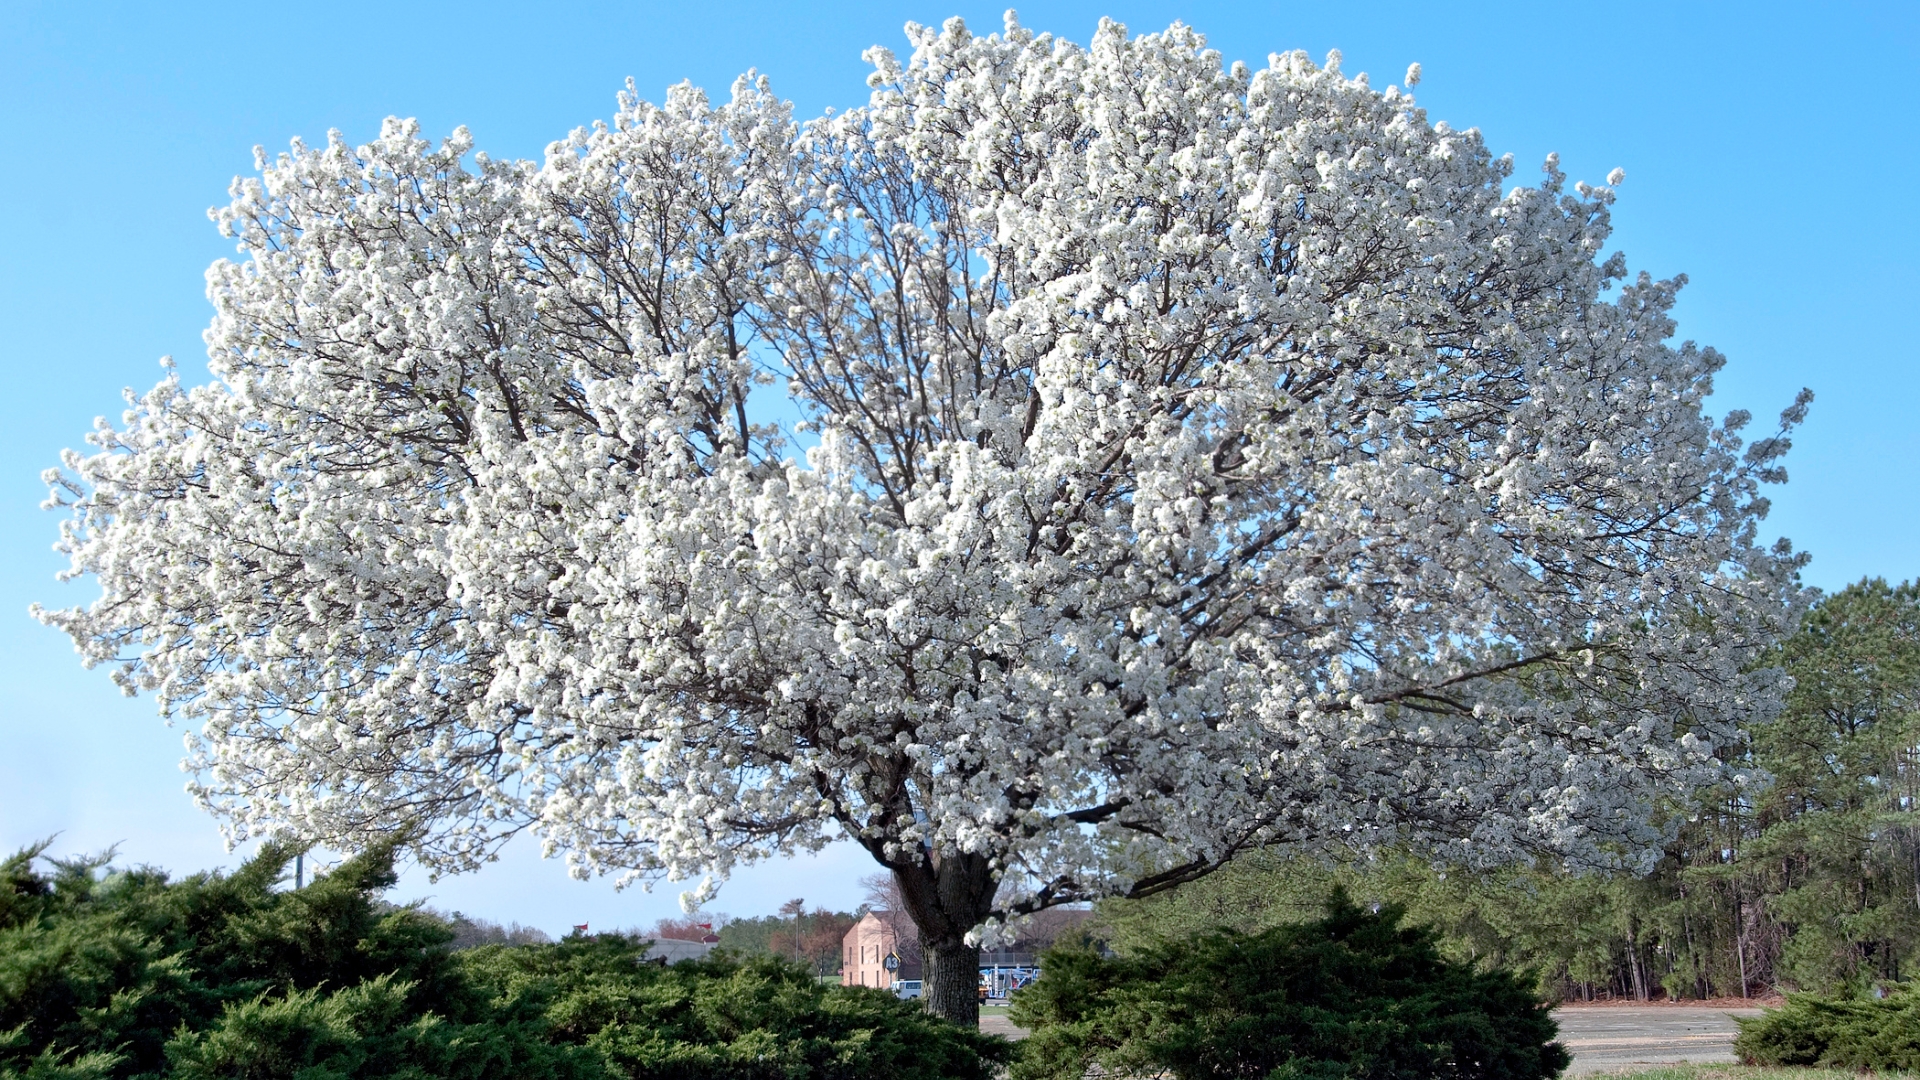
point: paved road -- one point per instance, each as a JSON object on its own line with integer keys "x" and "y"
{"x": 1607, "y": 1038}
{"x": 1614, "y": 1037}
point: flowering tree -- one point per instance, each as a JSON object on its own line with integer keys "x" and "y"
{"x": 1206, "y": 459}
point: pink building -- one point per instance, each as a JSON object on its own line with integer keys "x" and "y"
{"x": 880, "y": 934}
{"x": 864, "y": 952}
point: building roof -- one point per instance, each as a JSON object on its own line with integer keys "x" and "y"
{"x": 675, "y": 951}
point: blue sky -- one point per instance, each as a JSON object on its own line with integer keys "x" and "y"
{"x": 1770, "y": 152}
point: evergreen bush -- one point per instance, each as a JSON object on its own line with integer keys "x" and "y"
{"x": 1351, "y": 995}
{"x": 123, "y": 974}
{"x": 1858, "y": 1033}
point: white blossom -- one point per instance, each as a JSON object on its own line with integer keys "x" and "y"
{"x": 1206, "y": 459}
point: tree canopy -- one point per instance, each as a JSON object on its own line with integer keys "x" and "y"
{"x": 1201, "y": 459}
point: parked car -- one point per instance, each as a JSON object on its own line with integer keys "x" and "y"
{"x": 907, "y": 989}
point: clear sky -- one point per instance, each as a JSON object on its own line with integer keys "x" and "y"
{"x": 1770, "y": 152}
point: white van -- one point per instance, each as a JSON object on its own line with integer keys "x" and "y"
{"x": 907, "y": 989}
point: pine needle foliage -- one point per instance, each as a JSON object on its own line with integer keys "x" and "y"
{"x": 1352, "y": 995}
{"x": 114, "y": 974}
{"x": 1858, "y": 1033}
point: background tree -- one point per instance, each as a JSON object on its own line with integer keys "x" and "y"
{"x": 1806, "y": 879}
{"x": 818, "y": 946}
{"x": 470, "y": 932}
{"x": 1838, "y": 845}
{"x": 794, "y": 909}
{"x": 695, "y": 927}
{"x": 1207, "y": 459}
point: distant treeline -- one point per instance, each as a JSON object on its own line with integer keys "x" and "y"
{"x": 1808, "y": 881}
{"x": 811, "y": 938}
{"x": 471, "y": 933}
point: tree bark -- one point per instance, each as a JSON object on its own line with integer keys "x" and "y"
{"x": 952, "y": 986}
{"x": 947, "y": 895}
{"x": 1740, "y": 942}
{"x": 1634, "y": 967}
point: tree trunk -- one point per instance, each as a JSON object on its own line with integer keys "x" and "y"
{"x": 1740, "y": 942}
{"x": 947, "y": 895}
{"x": 1634, "y": 968}
{"x": 952, "y": 986}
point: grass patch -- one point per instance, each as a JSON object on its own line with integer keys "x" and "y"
{"x": 1740, "y": 1072}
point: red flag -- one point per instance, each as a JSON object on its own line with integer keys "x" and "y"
{"x": 581, "y": 929}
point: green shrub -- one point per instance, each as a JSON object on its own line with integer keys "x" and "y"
{"x": 763, "y": 1017}
{"x": 1351, "y": 995}
{"x": 369, "y": 1031}
{"x": 1861, "y": 1034}
{"x": 124, "y": 974}
{"x": 100, "y": 970}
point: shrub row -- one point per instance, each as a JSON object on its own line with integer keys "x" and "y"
{"x": 114, "y": 975}
{"x": 128, "y": 974}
